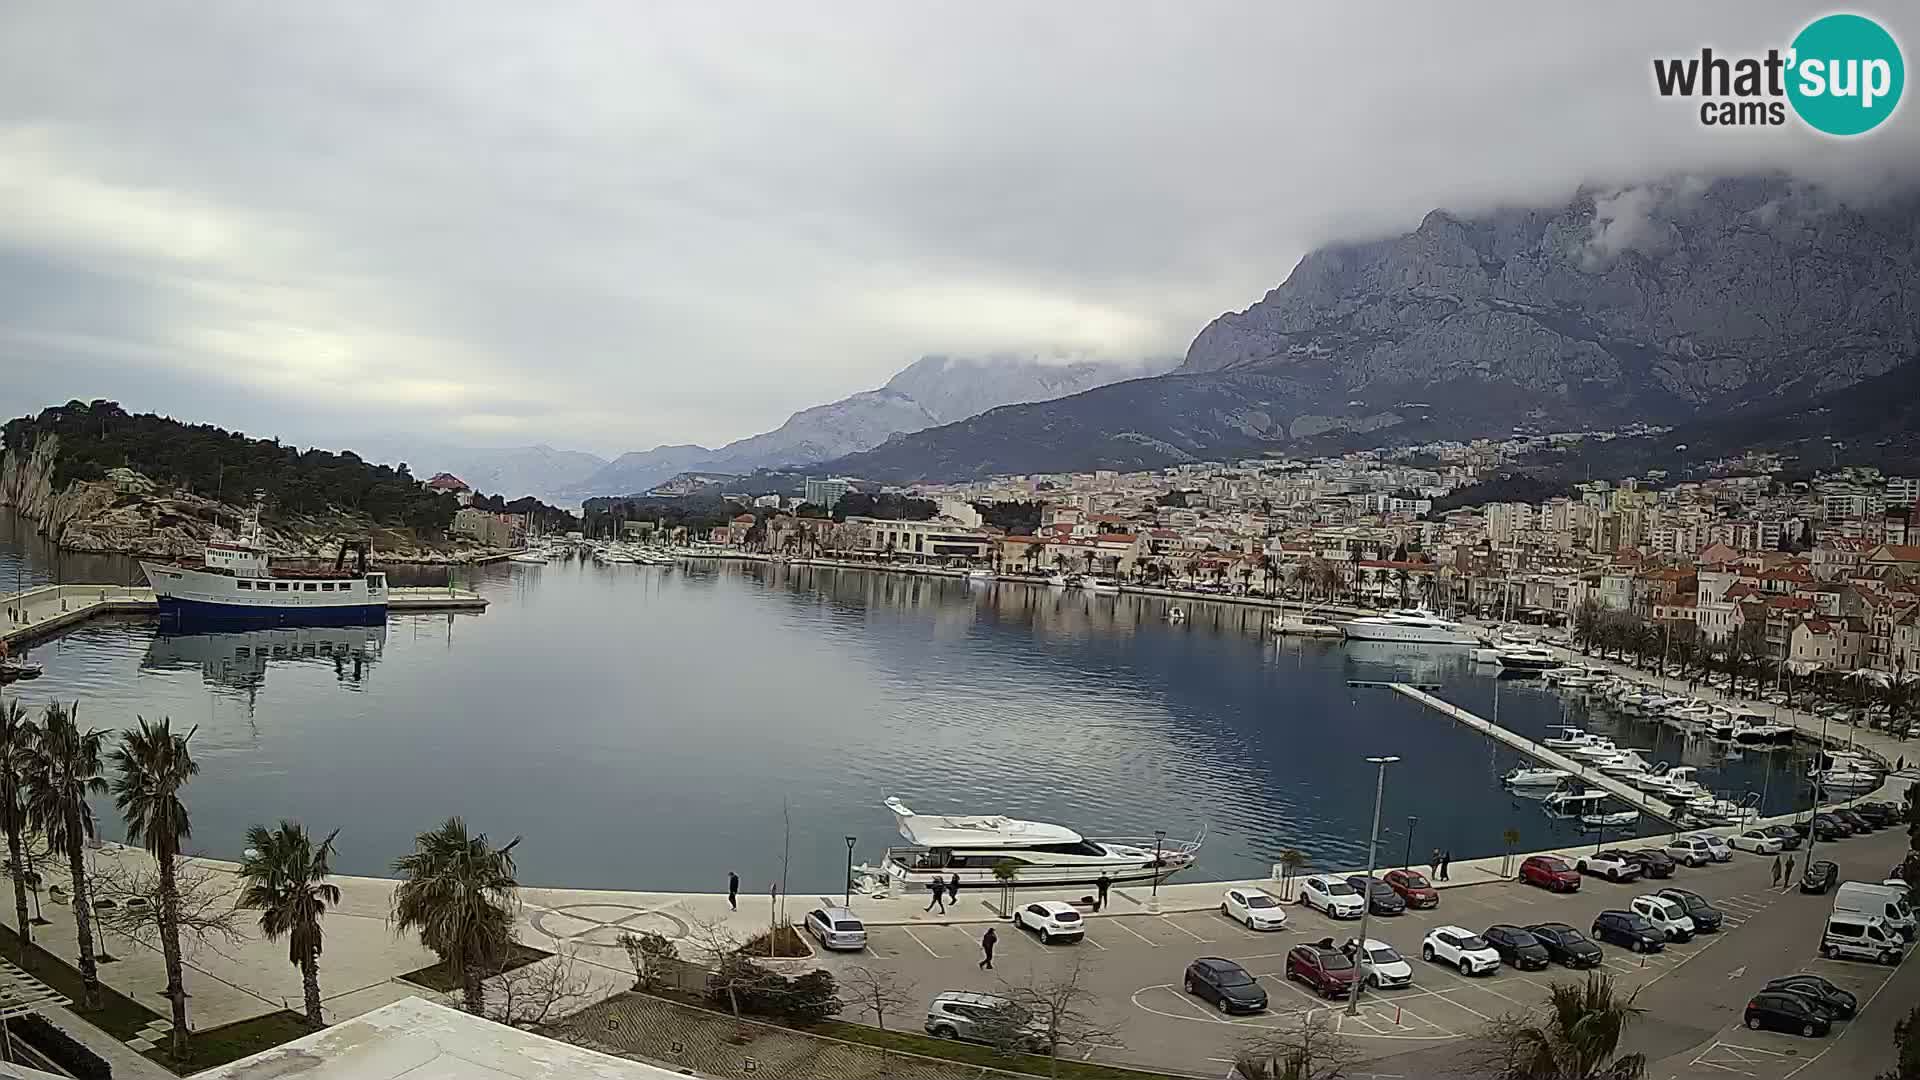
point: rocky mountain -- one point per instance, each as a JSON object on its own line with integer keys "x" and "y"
{"x": 511, "y": 471}
{"x": 1667, "y": 301}
{"x": 933, "y": 390}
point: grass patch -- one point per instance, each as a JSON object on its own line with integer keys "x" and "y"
{"x": 910, "y": 1042}
{"x": 440, "y": 977}
{"x": 122, "y": 1017}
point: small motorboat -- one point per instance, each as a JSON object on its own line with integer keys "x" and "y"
{"x": 1610, "y": 820}
{"x": 1568, "y": 738}
{"x": 1101, "y": 586}
{"x": 19, "y": 671}
{"x": 1176, "y": 614}
{"x": 980, "y": 574}
{"x": 1535, "y": 777}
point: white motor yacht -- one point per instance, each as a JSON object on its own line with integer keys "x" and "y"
{"x": 1626, "y": 763}
{"x": 980, "y": 574}
{"x": 1681, "y": 783}
{"x": 1176, "y": 614}
{"x": 1568, "y": 738}
{"x": 969, "y": 846}
{"x": 1599, "y": 749}
{"x": 1101, "y": 586}
{"x": 1761, "y": 734}
{"x": 1408, "y": 625}
{"x": 1058, "y": 581}
{"x": 1535, "y": 777}
{"x": 1693, "y": 713}
{"x": 1526, "y": 658}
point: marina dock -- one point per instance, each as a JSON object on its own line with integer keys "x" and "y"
{"x": 50, "y": 608}
{"x": 1592, "y": 777}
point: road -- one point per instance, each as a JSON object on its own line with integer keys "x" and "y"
{"x": 1693, "y": 993}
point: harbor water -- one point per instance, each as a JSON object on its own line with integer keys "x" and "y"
{"x": 654, "y": 728}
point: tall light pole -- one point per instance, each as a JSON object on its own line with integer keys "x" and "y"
{"x": 1412, "y": 820}
{"x": 1366, "y": 899}
{"x": 1812, "y": 831}
{"x": 848, "y": 901}
{"x": 1159, "y": 841}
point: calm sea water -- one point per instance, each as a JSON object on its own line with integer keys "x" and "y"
{"x": 653, "y": 729}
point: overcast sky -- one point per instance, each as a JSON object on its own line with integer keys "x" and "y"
{"x": 610, "y": 226}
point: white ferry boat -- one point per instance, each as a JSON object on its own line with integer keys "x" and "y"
{"x": 1409, "y": 625}
{"x": 970, "y": 846}
{"x": 236, "y": 583}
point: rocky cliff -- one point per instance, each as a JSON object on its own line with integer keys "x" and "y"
{"x": 1668, "y": 302}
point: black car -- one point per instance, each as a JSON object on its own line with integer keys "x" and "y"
{"x": 1518, "y": 948}
{"x": 1838, "y": 825}
{"x": 1789, "y": 839}
{"x": 1567, "y": 945}
{"x": 1840, "y": 1003}
{"x": 1226, "y": 984}
{"x": 1706, "y": 918}
{"x": 1780, "y": 1010}
{"x": 1822, "y": 827}
{"x": 1652, "y": 863}
{"x": 1626, "y": 928}
{"x": 1381, "y": 898}
{"x": 1819, "y": 877}
{"x": 1879, "y": 814}
{"x": 1854, "y": 821}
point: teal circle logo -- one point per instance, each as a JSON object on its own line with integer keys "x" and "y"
{"x": 1846, "y": 74}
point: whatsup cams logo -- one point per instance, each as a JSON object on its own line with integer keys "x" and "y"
{"x": 1842, "y": 75}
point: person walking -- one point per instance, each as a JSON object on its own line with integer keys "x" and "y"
{"x": 1433, "y": 864}
{"x": 953, "y": 889}
{"x": 1786, "y": 879}
{"x": 1446, "y": 859}
{"x": 1100, "y": 887}
{"x": 1776, "y": 871}
{"x": 939, "y": 890}
{"x": 733, "y": 890}
{"x": 986, "y": 949}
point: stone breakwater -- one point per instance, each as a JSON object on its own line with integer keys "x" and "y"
{"x": 125, "y": 513}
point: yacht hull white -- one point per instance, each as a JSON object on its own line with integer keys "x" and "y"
{"x": 970, "y": 847}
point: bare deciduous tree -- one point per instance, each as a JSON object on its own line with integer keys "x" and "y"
{"x": 537, "y": 996}
{"x": 650, "y": 954}
{"x": 126, "y": 896}
{"x": 1310, "y": 1051}
{"x": 719, "y": 950}
{"x": 878, "y": 991}
{"x": 1059, "y": 1007}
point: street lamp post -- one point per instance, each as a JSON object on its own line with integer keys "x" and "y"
{"x": 1813, "y": 832}
{"x": 1153, "y": 899}
{"x": 848, "y": 901}
{"x": 1407, "y": 862}
{"x": 1366, "y": 899}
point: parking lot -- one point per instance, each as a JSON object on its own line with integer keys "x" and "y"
{"x": 1135, "y": 964}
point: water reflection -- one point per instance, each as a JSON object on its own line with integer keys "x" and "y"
{"x": 238, "y": 660}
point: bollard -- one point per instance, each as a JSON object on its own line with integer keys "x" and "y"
{"x": 1396, "y": 1017}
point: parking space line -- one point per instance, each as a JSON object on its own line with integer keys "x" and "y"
{"x": 1189, "y": 933}
{"x": 1088, "y": 938}
{"x": 1123, "y": 926}
{"x": 916, "y": 940}
{"x": 1442, "y": 995}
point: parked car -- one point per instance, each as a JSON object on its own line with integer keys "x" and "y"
{"x": 1461, "y": 948}
{"x": 1413, "y": 887}
{"x": 1518, "y": 948}
{"x": 1757, "y": 841}
{"x": 1653, "y": 862}
{"x": 1861, "y": 937}
{"x": 1323, "y": 969}
{"x": 963, "y": 1014}
{"x": 1383, "y": 965}
{"x": 1857, "y": 822}
{"x": 1879, "y": 813}
{"x": 836, "y": 928}
{"x": 1841, "y": 1004}
{"x": 1608, "y": 865}
{"x": 1667, "y": 916}
{"x": 1381, "y": 899}
{"x": 1778, "y": 1010}
{"x": 1626, "y": 928}
{"x": 1550, "y": 872}
{"x": 1567, "y": 945}
{"x": 1716, "y": 845}
{"x": 1331, "y": 895}
{"x": 1698, "y": 849}
{"x": 1226, "y": 984}
{"x": 1706, "y": 918}
{"x": 1256, "y": 909}
{"x": 1789, "y": 840}
{"x": 1052, "y": 920}
{"x": 1819, "y": 876}
{"x": 1823, "y": 826}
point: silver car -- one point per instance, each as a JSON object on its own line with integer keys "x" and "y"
{"x": 963, "y": 1014}
{"x": 837, "y": 928}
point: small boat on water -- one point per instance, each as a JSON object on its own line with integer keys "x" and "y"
{"x": 18, "y": 671}
{"x": 1535, "y": 777}
{"x": 1101, "y": 586}
{"x": 1059, "y": 581}
{"x": 1569, "y": 738}
{"x": 531, "y": 558}
{"x": 980, "y": 574}
{"x": 1596, "y": 750}
{"x": 1176, "y": 614}
{"x": 1529, "y": 658}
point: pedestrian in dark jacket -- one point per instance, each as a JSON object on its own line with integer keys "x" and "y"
{"x": 1446, "y": 858}
{"x": 733, "y": 890}
{"x": 938, "y": 888}
{"x": 986, "y": 948}
{"x": 953, "y": 889}
{"x": 1101, "y": 885}
{"x": 1433, "y": 865}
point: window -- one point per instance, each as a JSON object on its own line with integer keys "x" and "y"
{"x": 312, "y": 587}
{"x": 326, "y": 586}
{"x": 280, "y": 586}
{"x": 244, "y": 584}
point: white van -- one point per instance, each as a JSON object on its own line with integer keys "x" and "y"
{"x": 1666, "y": 915}
{"x": 1885, "y": 901}
{"x": 1861, "y": 937}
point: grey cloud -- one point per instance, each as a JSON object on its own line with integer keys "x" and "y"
{"x": 614, "y": 225}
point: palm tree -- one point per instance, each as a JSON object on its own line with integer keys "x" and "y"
{"x": 151, "y": 765}
{"x": 1573, "y": 1039}
{"x": 286, "y": 880}
{"x": 1401, "y": 577}
{"x": 457, "y": 891}
{"x": 63, "y": 768}
{"x": 16, "y": 742}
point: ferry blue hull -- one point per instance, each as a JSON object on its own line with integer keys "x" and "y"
{"x": 205, "y": 613}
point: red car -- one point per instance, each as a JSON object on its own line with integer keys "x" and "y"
{"x": 1550, "y": 872}
{"x": 1323, "y": 969}
{"x": 1412, "y": 888}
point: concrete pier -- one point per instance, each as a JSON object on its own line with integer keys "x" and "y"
{"x": 1588, "y": 775}
{"x": 51, "y": 608}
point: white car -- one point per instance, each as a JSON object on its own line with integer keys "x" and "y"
{"x": 1052, "y": 920}
{"x": 837, "y": 928}
{"x": 1608, "y": 866}
{"x": 1461, "y": 948}
{"x": 1255, "y": 909}
{"x": 1383, "y": 965}
{"x": 1757, "y": 842}
{"x": 1331, "y": 895}
{"x": 1716, "y": 845}
{"x": 1690, "y": 851}
{"x": 1667, "y": 916}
